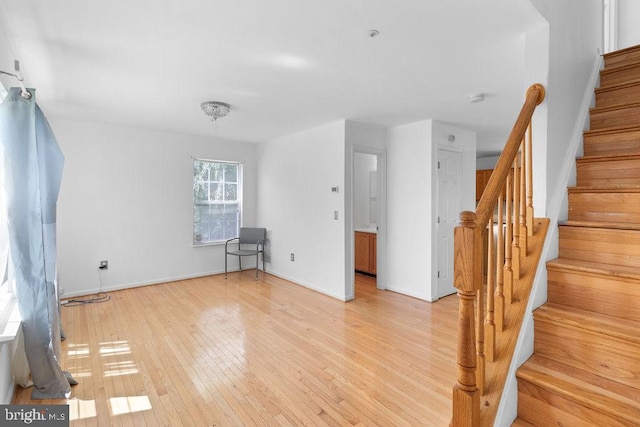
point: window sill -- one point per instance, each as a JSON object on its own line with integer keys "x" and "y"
{"x": 204, "y": 245}
{"x": 9, "y": 319}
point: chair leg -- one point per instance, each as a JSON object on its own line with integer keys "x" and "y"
{"x": 225, "y": 265}
{"x": 240, "y": 263}
{"x": 257, "y": 266}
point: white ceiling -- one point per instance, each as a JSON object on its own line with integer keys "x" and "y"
{"x": 282, "y": 65}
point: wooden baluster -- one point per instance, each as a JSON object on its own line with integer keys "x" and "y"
{"x": 480, "y": 317}
{"x": 515, "y": 256}
{"x": 489, "y": 323}
{"x": 499, "y": 297}
{"x": 508, "y": 239}
{"x": 466, "y": 396}
{"x": 529, "y": 153}
{"x": 523, "y": 208}
{"x": 480, "y": 359}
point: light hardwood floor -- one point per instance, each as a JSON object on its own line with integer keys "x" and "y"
{"x": 236, "y": 352}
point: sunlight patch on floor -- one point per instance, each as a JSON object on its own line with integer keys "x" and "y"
{"x": 80, "y": 409}
{"x": 114, "y": 348}
{"x": 80, "y": 373}
{"x": 129, "y": 404}
{"x": 77, "y": 350}
{"x": 120, "y": 368}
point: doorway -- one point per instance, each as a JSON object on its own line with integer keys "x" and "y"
{"x": 449, "y": 201}
{"x": 365, "y": 215}
{"x": 367, "y": 220}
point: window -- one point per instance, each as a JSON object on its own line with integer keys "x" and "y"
{"x": 217, "y": 201}
{"x": 4, "y": 242}
{"x": 5, "y": 286}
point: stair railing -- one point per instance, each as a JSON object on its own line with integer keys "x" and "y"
{"x": 506, "y": 205}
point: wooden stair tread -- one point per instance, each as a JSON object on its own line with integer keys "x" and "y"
{"x": 627, "y": 66}
{"x": 621, "y": 52}
{"x": 616, "y": 86}
{"x": 595, "y": 268}
{"x": 607, "y": 158}
{"x": 590, "y": 390}
{"x": 612, "y": 188}
{"x": 611, "y": 130}
{"x": 623, "y": 329}
{"x": 602, "y": 224}
{"x": 597, "y": 110}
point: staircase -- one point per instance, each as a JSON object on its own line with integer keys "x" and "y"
{"x": 586, "y": 364}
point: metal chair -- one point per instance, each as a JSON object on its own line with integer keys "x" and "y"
{"x": 249, "y": 243}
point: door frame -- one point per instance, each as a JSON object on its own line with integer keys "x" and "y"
{"x": 610, "y": 26}
{"x": 436, "y": 209}
{"x": 381, "y": 243}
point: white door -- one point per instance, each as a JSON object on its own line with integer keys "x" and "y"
{"x": 448, "y": 212}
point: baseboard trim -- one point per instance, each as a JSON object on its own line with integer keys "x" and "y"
{"x": 156, "y": 281}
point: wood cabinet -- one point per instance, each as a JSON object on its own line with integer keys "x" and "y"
{"x": 482, "y": 178}
{"x": 365, "y": 252}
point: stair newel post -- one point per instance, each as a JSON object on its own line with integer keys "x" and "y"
{"x": 499, "y": 297}
{"x": 466, "y": 278}
{"x": 489, "y": 323}
{"x": 523, "y": 208}
{"x": 508, "y": 239}
{"x": 515, "y": 256}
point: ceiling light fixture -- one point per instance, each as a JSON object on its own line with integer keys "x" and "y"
{"x": 474, "y": 99}
{"x": 215, "y": 110}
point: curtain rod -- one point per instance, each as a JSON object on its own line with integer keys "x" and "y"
{"x": 24, "y": 93}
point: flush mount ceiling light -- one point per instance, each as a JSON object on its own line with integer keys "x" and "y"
{"x": 215, "y": 110}
{"x": 474, "y": 99}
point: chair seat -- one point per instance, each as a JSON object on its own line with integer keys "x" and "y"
{"x": 248, "y": 236}
{"x": 243, "y": 252}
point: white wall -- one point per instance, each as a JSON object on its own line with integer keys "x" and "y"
{"x": 409, "y": 164}
{"x": 126, "y": 197}
{"x": 295, "y": 202}
{"x": 628, "y": 18}
{"x": 6, "y": 62}
{"x": 412, "y": 184}
{"x": 485, "y": 163}
{"x": 536, "y": 48}
{"x": 575, "y": 42}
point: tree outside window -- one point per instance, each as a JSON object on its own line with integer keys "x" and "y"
{"x": 217, "y": 199}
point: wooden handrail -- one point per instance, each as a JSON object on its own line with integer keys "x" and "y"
{"x": 535, "y": 96}
{"x": 482, "y": 313}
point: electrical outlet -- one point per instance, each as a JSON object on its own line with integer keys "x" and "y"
{"x": 104, "y": 265}
{"x": 293, "y": 257}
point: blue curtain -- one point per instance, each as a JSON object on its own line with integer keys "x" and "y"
{"x": 32, "y": 168}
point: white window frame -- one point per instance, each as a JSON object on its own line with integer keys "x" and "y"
{"x": 6, "y": 288}
{"x": 197, "y": 239}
